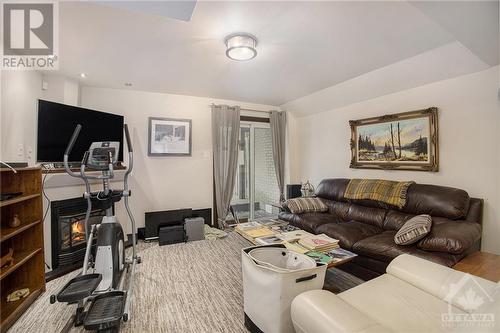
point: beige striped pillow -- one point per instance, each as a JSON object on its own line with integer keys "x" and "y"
{"x": 306, "y": 205}
{"x": 413, "y": 230}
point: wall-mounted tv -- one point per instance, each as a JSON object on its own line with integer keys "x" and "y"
{"x": 56, "y": 123}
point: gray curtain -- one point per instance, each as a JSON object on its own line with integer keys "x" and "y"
{"x": 278, "y": 130}
{"x": 225, "y": 131}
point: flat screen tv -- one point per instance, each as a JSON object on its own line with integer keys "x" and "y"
{"x": 56, "y": 123}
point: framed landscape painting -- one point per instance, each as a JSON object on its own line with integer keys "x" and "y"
{"x": 169, "y": 137}
{"x": 402, "y": 141}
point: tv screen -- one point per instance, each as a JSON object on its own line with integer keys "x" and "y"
{"x": 56, "y": 123}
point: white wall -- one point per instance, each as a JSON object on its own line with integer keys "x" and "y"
{"x": 163, "y": 183}
{"x": 20, "y": 91}
{"x": 19, "y": 94}
{"x": 469, "y": 140}
{"x": 60, "y": 89}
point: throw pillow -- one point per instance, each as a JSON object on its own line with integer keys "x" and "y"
{"x": 306, "y": 205}
{"x": 413, "y": 230}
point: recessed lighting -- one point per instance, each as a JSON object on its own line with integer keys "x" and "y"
{"x": 83, "y": 75}
{"x": 241, "y": 46}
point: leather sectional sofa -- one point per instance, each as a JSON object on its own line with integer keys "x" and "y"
{"x": 367, "y": 227}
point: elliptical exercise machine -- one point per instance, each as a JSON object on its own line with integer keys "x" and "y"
{"x": 105, "y": 270}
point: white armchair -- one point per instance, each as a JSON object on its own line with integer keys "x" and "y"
{"x": 415, "y": 295}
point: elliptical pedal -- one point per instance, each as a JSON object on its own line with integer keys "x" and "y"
{"x": 105, "y": 311}
{"x": 79, "y": 288}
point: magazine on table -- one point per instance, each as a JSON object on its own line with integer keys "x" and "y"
{"x": 272, "y": 223}
{"x": 284, "y": 228}
{"x": 340, "y": 254}
{"x": 259, "y": 232}
{"x": 319, "y": 242}
{"x": 293, "y": 236}
{"x": 320, "y": 257}
{"x": 268, "y": 240}
{"x": 295, "y": 247}
{"x": 248, "y": 225}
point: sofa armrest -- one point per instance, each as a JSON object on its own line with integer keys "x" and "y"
{"x": 451, "y": 237}
{"x": 319, "y": 311}
{"x": 440, "y": 281}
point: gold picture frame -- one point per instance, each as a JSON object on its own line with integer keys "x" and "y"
{"x": 401, "y": 141}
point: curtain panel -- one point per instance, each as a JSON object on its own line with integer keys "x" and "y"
{"x": 225, "y": 132}
{"x": 278, "y": 134}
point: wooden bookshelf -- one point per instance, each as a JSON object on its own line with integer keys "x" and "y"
{"x": 26, "y": 240}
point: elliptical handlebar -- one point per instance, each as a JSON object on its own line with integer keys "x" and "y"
{"x": 127, "y": 137}
{"x": 72, "y": 142}
{"x": 68, "y": 150}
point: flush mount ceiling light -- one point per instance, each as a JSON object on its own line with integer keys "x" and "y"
{"x": 241, "y": 46}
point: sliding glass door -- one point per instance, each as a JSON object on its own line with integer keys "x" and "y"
{"x": 256, "y": 190}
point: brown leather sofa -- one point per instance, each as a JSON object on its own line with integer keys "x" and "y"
{"x": 367, "y": 227}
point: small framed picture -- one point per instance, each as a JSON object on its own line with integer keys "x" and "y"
{"x": 169, "y": 137}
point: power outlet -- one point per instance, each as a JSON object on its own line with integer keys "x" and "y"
{"x": 20, "y": 150}
{"x": 29, "y": 153}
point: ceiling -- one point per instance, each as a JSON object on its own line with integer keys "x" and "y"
{"x": 303, "y": 47}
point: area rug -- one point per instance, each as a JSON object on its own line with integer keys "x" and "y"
{"x": 189, "y": 287}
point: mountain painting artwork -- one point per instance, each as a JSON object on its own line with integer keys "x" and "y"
{"x": 402, "y": 141}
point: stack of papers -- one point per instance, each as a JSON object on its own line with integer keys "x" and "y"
{"x": 293, "y": 236}
{"x": 319, "y": 243}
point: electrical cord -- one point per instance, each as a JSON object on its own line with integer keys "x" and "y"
{"x": 48, "y": 169}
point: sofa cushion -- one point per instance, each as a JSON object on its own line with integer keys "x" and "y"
{"x": 398, "y": 305}
{"x": 332, "y": 189}
{"x": 394, "y": 219}
{"x": 306, "y": 205}
{"x": 311, "y": 221}
{"x": 433, "y": 200}
{"x": 348, "y": 233}
{"x": 413, "y": 230}
{"x": 383, "y": 248}
{"x": 368, "y": 215}
{"x": 451, "y": 236}
{"x": 323, "y": 311}
{"x": 339, "y": 208}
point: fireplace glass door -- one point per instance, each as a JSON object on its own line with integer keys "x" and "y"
{"x": 73, "y": 228}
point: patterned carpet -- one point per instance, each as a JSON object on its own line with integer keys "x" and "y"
{"x": 191, "y": 287}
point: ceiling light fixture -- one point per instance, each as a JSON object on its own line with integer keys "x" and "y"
{"x": 83, "y": 75}
{"x": 241, "y": 46}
